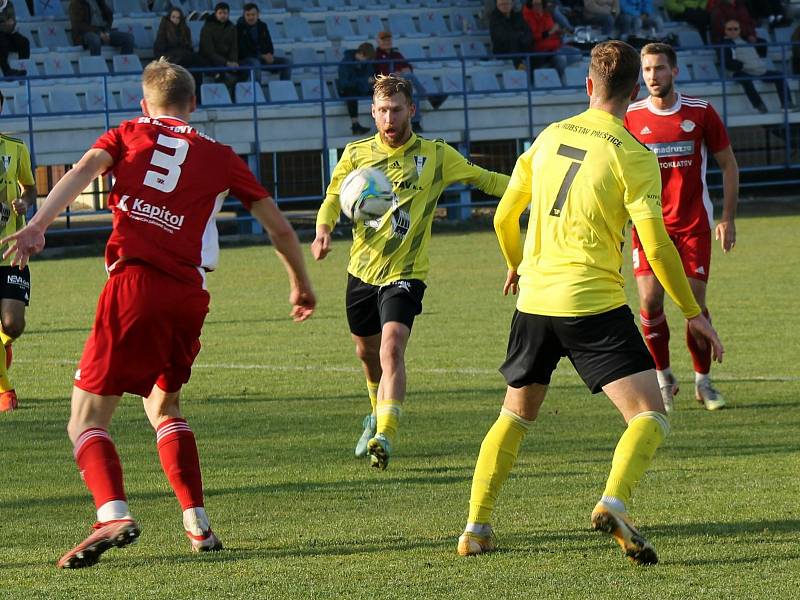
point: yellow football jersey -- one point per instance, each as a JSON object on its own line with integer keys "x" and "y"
{"x": 396, "y": 246}
{"x": 15, "y": 169}
{"x": 583, "y": 177}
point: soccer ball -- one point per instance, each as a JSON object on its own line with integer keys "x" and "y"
{"x": 365, "y": 194}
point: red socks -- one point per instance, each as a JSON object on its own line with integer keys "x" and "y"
{"x": 656, "y": 336}
{"x": 700, "y": 350}
{"x": 99, "y": 465}
{"x": 179, "y": 459}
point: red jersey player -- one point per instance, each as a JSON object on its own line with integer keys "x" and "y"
{"x": 682, "y": 131}
{"x": 170, "y": 183}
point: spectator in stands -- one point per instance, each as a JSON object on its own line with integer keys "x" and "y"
{"x": 509, "y": 32}
{"x": 638, "y": 16}
{"x": 91, "y": 22}
{"x": 547, "y": 38}
{"x": 356, "y": 76}
{"x": 744, "y": 62}
{"x": 174, "y": 42}
{"x": 796, "y": 51}
{"x": 395, "y": 62}
{"x": 726, "y": 10}
{"x": 772, "y": 11}
{"x": 690, "y": 11}
{"x": 219, "y": 45}
{"x": 11, "y": 40}
{"x": 255, "y": 44}
{"x": 602, "y": 13}
{"x": 562, "y": 11}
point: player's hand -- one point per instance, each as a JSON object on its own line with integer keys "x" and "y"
{"x": 512, "y": 283}
{"x": 725, "y": 232}
{"x": 703, "y": 332}
{"x": 303, "y": 302}
{"x": 19, "y": 206}
{"x": 321, "y": 245}
{"x": 23, "y": 244}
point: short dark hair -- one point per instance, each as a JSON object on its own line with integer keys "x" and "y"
{"x": 250, "y": 6}
{"x": 387, "y": 86}
{"x": 222, "y": 5}
{"x": 614, "y": 69}
{"x": 661, "y": 48}
{"x": 366, "y": 49}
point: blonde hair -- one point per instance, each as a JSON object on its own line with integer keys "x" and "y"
{"x": 387, "y": 86}
{"x": 166, "y": 84}
{"x": 614, "y": 69}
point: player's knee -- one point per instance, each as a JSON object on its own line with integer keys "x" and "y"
{"x": 391, "y": 355}
{"x": 652, "y": 303}
{"x": 13, "y": 327}
{"x": 367, "y": 354}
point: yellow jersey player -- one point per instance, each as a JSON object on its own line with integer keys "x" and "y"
{"x": 389, "y": 257}
{"x": 15, "y": 285}
{"x": 583, "y": 178}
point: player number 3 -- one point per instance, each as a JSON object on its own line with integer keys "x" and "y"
{"x": 171, "y": 163}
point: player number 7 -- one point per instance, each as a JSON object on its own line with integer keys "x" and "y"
{"x": 577, "y": 155}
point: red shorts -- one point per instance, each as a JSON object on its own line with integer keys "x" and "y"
{"x": 146, "y": 331}
{"x": 693, "y": 248}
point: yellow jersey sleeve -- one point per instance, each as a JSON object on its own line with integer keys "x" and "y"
{"x": 329, "y": 210}
{"x": 457, "y": 168}
{"x": 515, "y": 200}
{"x": 24, "y": 171}
{"x": 642, "y": 185}
{"x": 666, "y": 264}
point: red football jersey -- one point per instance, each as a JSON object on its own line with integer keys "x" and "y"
{"x": 170, "y": 183}
{"x": 681, "y": 138}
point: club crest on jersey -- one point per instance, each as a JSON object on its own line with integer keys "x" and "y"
{"x": 688, "y": 125}
{"x": 419, "y": 161}
{"x": 645, "y": 130}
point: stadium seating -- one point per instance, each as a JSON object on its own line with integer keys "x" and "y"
{"x": 402, "y": 25}
{"x": 546, "y": 79}
{"x": 97, "y": 100}
{"x": 282, "y": 91}
{"x": 514, "y": 79}
{"x": 130, "y": 94}
{"x": 340, "y": 28}
{"x": 92, "y": 65}
{"x": 127, "y": 63}
{"x": 432, "y": 24}
{"x": 37, "y": 106}
{"x": 369, "y": 26}
{"x": 485, "y": 82}
{"x": 64, "y": 100}
{"x": 245, "y": 92}
{"x": 56, "y": 64}
{"x": 215, "y": 94}
{"x": 52, "y": 35}
{"x": 310, "y": 89}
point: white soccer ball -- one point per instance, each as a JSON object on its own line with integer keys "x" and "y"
{"x": 366, "y": 194}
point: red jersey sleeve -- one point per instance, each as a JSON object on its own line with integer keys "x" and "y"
{"x": 716, "y": 136}
{"x": 111, "y": 142}
{"x": 243, "y": 184}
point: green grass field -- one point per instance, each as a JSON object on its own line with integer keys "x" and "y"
{"x": 277, "y": 408}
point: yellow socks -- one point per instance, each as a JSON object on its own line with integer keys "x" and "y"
{"x": 5, "y": 384}
{"x": 372, "y": 390}
{"x": 634, "y": 453}
{"x": 495, "y": 460}
{"x": 388, "y": 418}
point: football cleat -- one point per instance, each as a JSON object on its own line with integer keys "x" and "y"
{"x": 8, "y": 401}
{"x": 370, "y": 425}
{"x": 668, "y": 392}
{"x": 111, "y": 534}
{"x": 617, "y": 524}
{"x": 208, "y": 542}
{"x": 379, "y": 450}
{"x": 707, "y": 395}
{"x": 9, "y": 356}
{"x": 472, "y": 544}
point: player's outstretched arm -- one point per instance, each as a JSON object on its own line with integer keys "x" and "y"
{"x": 30, "y": 239}
{"x": 725, "y": 231}
{"x": 301, "y": 295}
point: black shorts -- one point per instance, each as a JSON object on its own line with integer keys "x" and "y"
{"x": 15, "y": 284}
{"x": 370, "y": 306}
{"x": 602, "y": 348}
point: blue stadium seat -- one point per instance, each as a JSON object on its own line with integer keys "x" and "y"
{"x": 56, "y": 64}
{"x": 23, "y": 14}
{"x": 52, "y": 35}
{"x": 127, "y": 63}
{"x": 37, "y": 102}
{"x": 485, "y": 81}
{"x": 305, "y": 55}
{"x": 97, "y": 101}
{"x": 705, "y": 70}
{"x": 473, "y": 49}
{"x": 215, "y": 94}
{"x": 412, "y": 52}
{"x": 452, "y": 82}
{"x": 128, "y": 7}
{"x": 575, "y": 76}
{"x": 464, "y": 20}
{"x": 429, "y": 83}
{"x": 29, "y": 65}
{"x": 546, "y": 79}
{"x": 432, "y": 23}
{"x": 244, "y": 92}
{"x": 334, "y": 54}
{"x": 311, "y": 89}
{"x": 282, "y": 91}
{"x": 514, "y": 79}
{"x": 369, "y": 26}
{"x": 339, "y": 27}
{"x": 64, "y": 100}
{"x": 297, "y": 28}
{"x": 130, "y": 94}
{"x": 443, "y": 50}
{"x": 92, "y": 65}
{"x": 689, "y": 38}
{"x": 402, "y": 25}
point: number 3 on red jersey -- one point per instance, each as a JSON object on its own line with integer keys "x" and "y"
{"x": 171, "y": 163}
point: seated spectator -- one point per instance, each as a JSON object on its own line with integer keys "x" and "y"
{"x": 255, "y": 44}
{"x": 91, "y": 22}
{"x": 690, "y": 11}
{"x": 219, "y": 45}
{"x": 509, "y": 32}
{"x": 11, "y": 40}
{"x": 174, "y": 42}
{"x": 547, "y": 38}
{"x": 356, "y": 76}
{"x": 564, "y": 12}
{"x": 727, "y": 10}
{"x": 395, "y": 62}
{"x": 602, "y": 13}
{"x": 637, "y": 16}
{"x": 744, "y": 62}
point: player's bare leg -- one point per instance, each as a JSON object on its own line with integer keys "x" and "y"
{"x": 391, "y": 392}
{"x": 638, "y": 399}
{"x": 180, "y": 461}
{"x": 101, "y": 470}
{"x": 704, "y": 391}
{"x": 656, "y": 334}
{"x": 368, "y": 352}
{"x": 12, "y": 324}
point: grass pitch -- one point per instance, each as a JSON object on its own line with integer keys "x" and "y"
{"x": 277, "y": 408}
